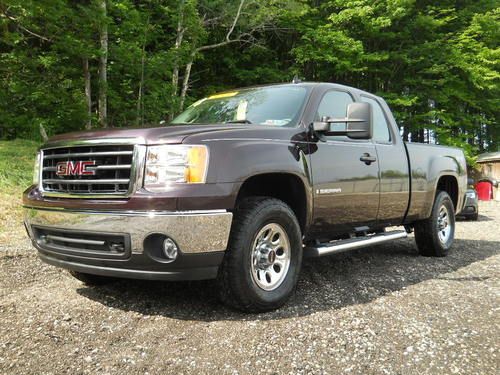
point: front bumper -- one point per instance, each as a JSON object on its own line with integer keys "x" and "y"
{"x": 201, "y": 237}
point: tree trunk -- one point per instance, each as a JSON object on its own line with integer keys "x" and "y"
{"x": 140, "y": 95}
{"x": 480, "y": 134}
{"x": 43, "y": 133}
{"x": 175, "y": 70}
{"x": 88, "y": 92}
{"x": 140, "y": 106}
{"x": 185, "y": 83}
{"x": 103, "y": 68}
{"x": 406, "y": 132}
{"x": 227, "y": 40}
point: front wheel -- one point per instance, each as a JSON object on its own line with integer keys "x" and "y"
{"x": 264, "y": 256}
{"x": 435, "y": 235}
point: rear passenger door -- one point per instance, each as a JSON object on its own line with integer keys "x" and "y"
{"x": 346, "y": 190}
{"x": 393, "y": 164}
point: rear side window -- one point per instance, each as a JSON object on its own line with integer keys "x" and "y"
{"x": 380, "y": 126}
{"x": 334, "y": 104}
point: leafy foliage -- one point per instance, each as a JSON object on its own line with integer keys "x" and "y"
{"x": 435, "y": 62}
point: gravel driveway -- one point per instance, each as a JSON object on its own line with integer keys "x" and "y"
{"x": 383, "y": 310}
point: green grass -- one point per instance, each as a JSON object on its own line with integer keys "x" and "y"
{"x": 16, "y": 164}
{"x": 16, "y": 174}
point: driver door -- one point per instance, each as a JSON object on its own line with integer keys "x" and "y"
{"x": 346, "y": 189}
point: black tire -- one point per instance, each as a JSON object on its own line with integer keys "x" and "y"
{"x": 91, "y": 280}
{"x": 237, "y": 284}
{"x": 427, "y": 237}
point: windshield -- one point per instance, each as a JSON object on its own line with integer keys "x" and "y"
{"x": 277, "y": 106}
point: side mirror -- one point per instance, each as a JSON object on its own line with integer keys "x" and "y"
{"x": 358, "y": 123}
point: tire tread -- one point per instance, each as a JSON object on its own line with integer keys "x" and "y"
{"x": 230, "y": 288}
{"x": 428, "y": 243}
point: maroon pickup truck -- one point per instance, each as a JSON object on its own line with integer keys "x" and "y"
{"x": 239, "y": 188}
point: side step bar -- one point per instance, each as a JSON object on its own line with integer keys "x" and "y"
{"x": 352, "y": 243}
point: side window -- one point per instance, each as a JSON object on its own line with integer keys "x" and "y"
{"x": 380, "y": 126}
{"x": 334, "y": 104}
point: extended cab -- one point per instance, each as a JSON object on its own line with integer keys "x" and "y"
{"x": 239, "y": 188}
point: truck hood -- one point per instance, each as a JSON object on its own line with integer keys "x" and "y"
{"x": 170, "y": 134}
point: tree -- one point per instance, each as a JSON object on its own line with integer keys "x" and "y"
{"x": 103, "y": 66}
{"x": 74, "y": 64}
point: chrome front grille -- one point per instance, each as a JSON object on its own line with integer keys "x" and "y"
{"x": 88, "y": 170}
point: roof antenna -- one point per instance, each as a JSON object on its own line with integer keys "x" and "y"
{"x": 296, "y": 79}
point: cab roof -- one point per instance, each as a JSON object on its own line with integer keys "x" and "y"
{"x": 307, "y": 84}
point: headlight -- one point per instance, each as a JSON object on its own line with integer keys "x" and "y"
{"x": 470, "y": 194}
{"x": 170, "y": 164}
{"x": 36, "y": 170}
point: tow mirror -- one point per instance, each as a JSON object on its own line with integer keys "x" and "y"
{"x": 358, "y": 123}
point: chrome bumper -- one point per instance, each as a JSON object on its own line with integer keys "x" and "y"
{"x": 194, "y": 231}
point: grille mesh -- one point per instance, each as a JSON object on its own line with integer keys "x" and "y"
{"x": 112, "y": 167}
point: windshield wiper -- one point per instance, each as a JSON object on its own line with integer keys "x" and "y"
{"x": 238, "y": 122}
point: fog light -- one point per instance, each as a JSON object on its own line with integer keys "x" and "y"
{"x": 170, "y": 249}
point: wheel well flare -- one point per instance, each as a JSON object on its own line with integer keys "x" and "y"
{"x": 284, "y": 186}
{"x": 449, "y": 184}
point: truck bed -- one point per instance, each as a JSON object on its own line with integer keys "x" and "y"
{"x": 427, "y": 164}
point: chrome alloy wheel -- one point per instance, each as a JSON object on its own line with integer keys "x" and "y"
{"x": 270, "y": 257}
{"x": 444, "y": 225}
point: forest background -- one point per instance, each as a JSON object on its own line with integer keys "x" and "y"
{"x": 84, "y": 64}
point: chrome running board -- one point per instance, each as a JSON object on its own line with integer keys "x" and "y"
{"x": 352, "y": 243}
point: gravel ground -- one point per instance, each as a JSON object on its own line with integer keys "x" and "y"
{"x": 383, "y": 310}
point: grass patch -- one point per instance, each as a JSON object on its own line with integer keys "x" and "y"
{"x": 16, "y": 174}
{"x": 16, "y": 164}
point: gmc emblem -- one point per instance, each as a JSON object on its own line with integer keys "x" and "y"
{"x": 74, "y": 168}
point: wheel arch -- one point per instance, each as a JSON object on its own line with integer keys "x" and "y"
{"x": 288, "y": 187}
{"x": 449, "y": 184}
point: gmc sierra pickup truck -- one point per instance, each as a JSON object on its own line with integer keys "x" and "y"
{"x": 239, "y": 188}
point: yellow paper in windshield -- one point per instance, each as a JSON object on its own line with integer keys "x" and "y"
{"x": 223, "y": 95}
{"x": 241, "y": 112}
{"x": 195, "y": 104}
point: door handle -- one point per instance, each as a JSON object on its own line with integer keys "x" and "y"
{"x": 367, "y": 158}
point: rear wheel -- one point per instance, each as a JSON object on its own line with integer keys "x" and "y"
{"x": 91, "y": 280}
{"x": 264, "y": 256}
{"x": 435, "y": 235}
